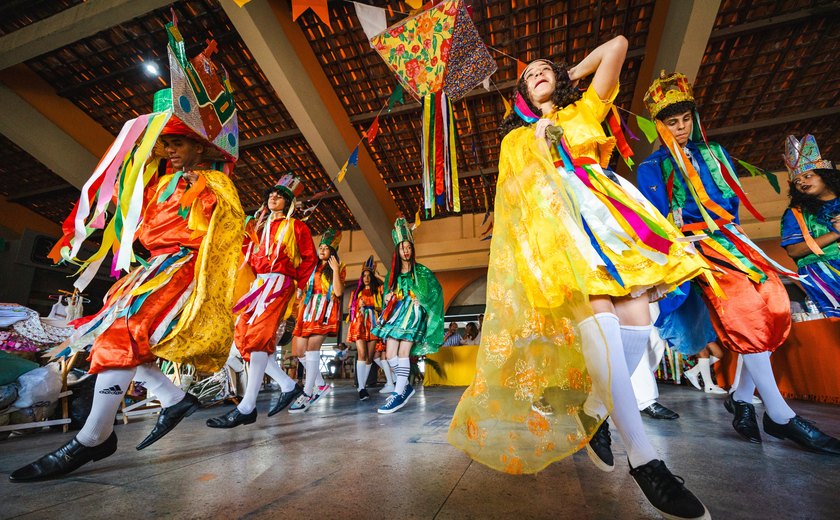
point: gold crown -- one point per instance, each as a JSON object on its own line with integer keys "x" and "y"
{"x": 667, "y": 90}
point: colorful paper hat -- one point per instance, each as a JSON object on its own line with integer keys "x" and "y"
{"x": 402, "y": 232}
{"x": 802, "y": 156}
{"x": 290, "y": 185}
{"x": 332, "y": 238}
{"x": 370, "y": 265}
{"x": 199, "y": 103}
{"x": 667, "y": 90}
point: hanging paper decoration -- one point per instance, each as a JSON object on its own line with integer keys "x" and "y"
{"x": 241, "y": 3}
{"x": 647, "y": 127}
{"x": 395, "y": 97}
{"x": 372, "y": 130}
{"x": 520, "y": 68}
{"x": 508, "y": 108}
{"x": 319, "y": 7}
{"x": 342, "y": 172}
{"x": 354, "y": 157}
{"x": 414, "y": 4}
{"x": 372, "y": 19}
{"x": 438, "y": 57}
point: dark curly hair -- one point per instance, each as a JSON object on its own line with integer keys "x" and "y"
{"x": 676, "y": 109}
{"x": 564, "y": 94}
{"x": 282, "y": 193}
{"x": 809, "y": 203}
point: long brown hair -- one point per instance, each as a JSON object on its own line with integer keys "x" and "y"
{"x": 564, "y": 94}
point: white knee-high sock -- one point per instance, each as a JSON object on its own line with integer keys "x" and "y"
{"x": 736, "y": 381}
{"x": 273, "y": 370}
{"x": 158, "y": 384}
{"x": 607, "y": 366}
{"x": 392, "y": 367}
{"x": 256, "y": 371}
{"x": 704, "y": 367}
{"x": 761, "y": 372}
{"x": 744, "y": 385}
{"x": 635, "y": 340}
{"x": 362, "y": 370}
{"x": 109, "y": 390}
{"x": 313, "y": 370}
{"x": 386, "y": 369}
{"x": 402, "y": 371}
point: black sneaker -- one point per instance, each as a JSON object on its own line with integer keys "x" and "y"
{"x": 667, "y": 493}
{"x": 804, "y": 433}
{"x": 286, "y": 398}
{"x": 599, "y": 447}
{"x": 363, "y": 394}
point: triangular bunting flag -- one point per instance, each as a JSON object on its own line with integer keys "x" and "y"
{"x": 240, "y": 3}
{"x": 372, "y": 19}
{"x": 396, "y": 97}
{"x": 508, "y": 109}
{"x": 415, "y": 4}
{"x": 319, "y": 7}
{"x": 647, "y": 127}
{"x": 354, "y": 157}
{"x": 520, "y": 68}
{"x": 417, "y": 218}
{"x": 372, "y": 130}
{"x": 486, "y": 83}
{"x": 342, "y": 172}
{"x": 771, "y": 178}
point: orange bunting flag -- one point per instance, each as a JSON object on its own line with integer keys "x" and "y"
{"x": 370, "y": 135}
{"x": 319, "y": 7}
{"x": 241, "y": 3}
{"x": 342, "y": 172}
{"x": 414, "y": 4}
{"x": 520, "y": 68}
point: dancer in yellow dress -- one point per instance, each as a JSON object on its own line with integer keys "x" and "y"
{"x": 576, "y": 253}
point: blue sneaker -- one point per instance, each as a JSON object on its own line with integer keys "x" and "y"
{"x": 394, "y": 402}
{"x": 408, "y": 392}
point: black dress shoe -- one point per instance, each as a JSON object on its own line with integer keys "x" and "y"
{"x": 169, "y": 418}
{"x": 744, "y": 422}
{"x": 232, "y": 419}
{"x": 657, "y": 411}
{"x": 804, "y": 433}
{"x": 286, "y": 398}
{"x": 64, "y": 460}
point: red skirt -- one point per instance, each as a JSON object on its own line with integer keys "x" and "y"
{"x": 362, "y": 324}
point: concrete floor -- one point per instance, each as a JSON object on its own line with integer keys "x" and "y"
{"x": 343, "y": 460}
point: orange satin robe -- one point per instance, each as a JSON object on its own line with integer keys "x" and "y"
{"x": 125, "y": 344}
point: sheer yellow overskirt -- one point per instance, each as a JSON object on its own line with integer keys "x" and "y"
{"x": 518, "y": 415}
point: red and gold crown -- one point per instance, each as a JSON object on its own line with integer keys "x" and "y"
{"x": 667, "y": 90}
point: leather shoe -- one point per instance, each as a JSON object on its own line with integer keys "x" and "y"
{"x": 657, "y": 411}
{"x": 169, "y": 419}
{"x": 744, "y": 422}
{"x": 804, "y": 433}
{"x": 64, "y": 460}
{"x": 232, "y": 419}
{"x": 286, "y": 398}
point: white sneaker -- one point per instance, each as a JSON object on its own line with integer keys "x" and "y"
{"x": 319, "y": 392}
{"x": 301, "y": 404}
{"x": 714, "y": 389}
{"x": 693, "y": 378}
{"x": 387, "y": 389}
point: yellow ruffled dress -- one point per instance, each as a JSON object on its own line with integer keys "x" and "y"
{"x": 520, "y": 413}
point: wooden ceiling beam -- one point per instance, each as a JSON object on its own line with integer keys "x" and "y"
{"x": 69, "y": 26}
{"x": 763, "y": 123}
{"x": 677, "y": 38}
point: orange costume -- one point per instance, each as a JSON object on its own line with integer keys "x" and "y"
{"x": 165, "y": 233}
{"x": 283, "y": 259}
{"x": 363, "y": 315}
{"x": 320, "y": 309}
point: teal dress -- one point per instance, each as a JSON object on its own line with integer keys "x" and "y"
{"x": 415, "y": 311}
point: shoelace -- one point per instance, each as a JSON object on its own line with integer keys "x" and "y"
{"x": 807, "y": 425}
{"x": 391, "y": 399}
{"x": 664, "y": 482}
